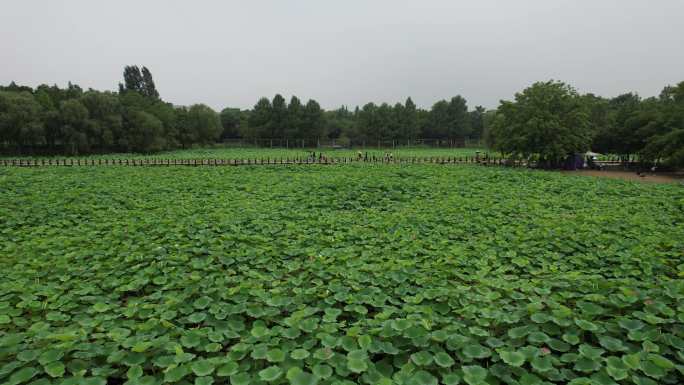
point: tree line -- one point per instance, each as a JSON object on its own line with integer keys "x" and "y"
{"x": 547, "y": 121}
{"x": 550, "y": 120}
{"x": 71, "y": 120}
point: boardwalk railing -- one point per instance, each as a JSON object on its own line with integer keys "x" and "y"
{"x": 254, "y": 161}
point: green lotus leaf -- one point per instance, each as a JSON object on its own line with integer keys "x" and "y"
{"x": 538, "y": 337}
{"x": 240, "y": 379}
{"x": 197, "y": 317}
{"x": 299, "y": 354}
{"x": 303, "y": 378}
{"x": 133, "y": 372}
{"x": 422, "y": 358}
{"x": 476, "y": 351}
{"x": 586, "y": 325}
{"x": 322, "y": 371}
{"x": 141, "y": 346}
{"x": 356, "y": 365}
{"x": 204, "y": 381}
{"x": 474, "y": 374}
{"x": 55, "y": 369}
{"x": 587, "y": 365}
{"x": 401, "y": 324}
{"x": 451, "y": 379}
{"x": 421, "y": 377}
{"x": 529, "y": 379}
{"x": 190, "y": 340}
{"x": 653, "y": 370}
{"x": 542, "y": 364}
{"x": 442, "y": 359}
{"x": 611, "y": 344}
{"x": 590, "y": 352}
{"x": 591, "y": 308}
{"x": 512, "y": 358}
{"x": 202, "y": 303}
{"x": 661, "y": 361}
{"x": 616, "y": 368}
{"x": 630, "y": 324}
{"x": 275, "y": 355}
{"x": 176, "y": 374}
{"x": 539, "y": 318}
{"x": 202, "y": 368}
{"x": 100, "y": 307}
{"x": 228, "y": 369}
{"x": 270, "y": 374}
{"x": 364, "y": 341}
{"x": 519, "y": 332}
{"x": 50, "y": 355}
{"x": 259, "y": 331}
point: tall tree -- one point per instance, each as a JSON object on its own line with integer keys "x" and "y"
{"x": 547, "y": 119}
{"x": 439, "y": 121}
{"x": 206, "y": 122}
{"x": 477, "y": 122}
{"x": 295, "y": 118}
{"x": 409, "y": 121}
{"x": 230, "y": 121}
{"x": 74, "y": 116}
{"x": 260, "y": 119}
{"x": 459, "y": 120}
{"x": 312, "y": 124}
{"x": 149, "y": 89}
{"x": 133, "y": 80}
{"x": 278, "y": 117}
{"x": 20, "y": 119}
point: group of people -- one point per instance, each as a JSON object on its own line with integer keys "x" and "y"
{"x": 387, "y": 156}
{"x": 312, "y": 157}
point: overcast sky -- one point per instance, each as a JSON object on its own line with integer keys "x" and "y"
{"x": 230, "y": 53}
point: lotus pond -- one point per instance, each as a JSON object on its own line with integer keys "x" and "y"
{"x": 348, "y": 274}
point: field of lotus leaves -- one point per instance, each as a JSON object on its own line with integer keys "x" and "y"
{"x": 345, "y": 274}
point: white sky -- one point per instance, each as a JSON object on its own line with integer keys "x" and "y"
{"x": 230, "y": 53}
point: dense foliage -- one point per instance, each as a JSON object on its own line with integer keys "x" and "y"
{"x": 73, "y": 121}
{"x": 338, "y": 275}
{"x": 547, "y": 121}
{"x": 49, "y": 119}
{"x": 551, "y": 120}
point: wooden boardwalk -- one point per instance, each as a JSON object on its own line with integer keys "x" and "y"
{"x": 159, "y": 162}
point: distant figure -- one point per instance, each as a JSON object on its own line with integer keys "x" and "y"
{"x": 359, "y": 155}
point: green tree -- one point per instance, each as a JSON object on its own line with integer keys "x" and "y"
{"x": 295, "y": 118}
{"x": 133, "y": 80}
{"x": 149, "y": 89}
{"x": 74, "y": 118}
{"x": 477, "y": 122}
{"x": 20, "y": 119}
{"x": 206, "y": 123}
{"x": 439, "y": 121}
{"x": 409, "y": 121}
{"x": 367, "y": 122}
{"x": 312, "y": 122}
{"x": 547, "y": 119}
{"x": 278, "y": 121}
{"x": 260, "y": 119}
{"x": 105, "y": 119}
{"x": 458, "y": 118}
{"x": 146, "y": 133}
{"x": 139, "y": 81}
{"x": 667, "y": 141}
{"x": 230, "y": 122}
